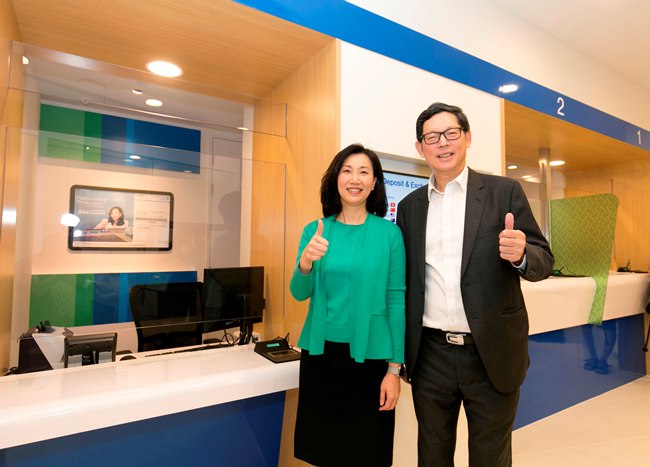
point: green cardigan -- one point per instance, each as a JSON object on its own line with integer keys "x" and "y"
{"x": 377, "y": 325}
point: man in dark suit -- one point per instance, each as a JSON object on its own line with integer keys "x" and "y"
{"x": 469, "y": 238}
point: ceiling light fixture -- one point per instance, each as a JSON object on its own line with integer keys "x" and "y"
{"x": 135, "y": 157}
{"x": 166, "y": 69}
{"x": 25, "y": 60}
{"x": 508, "y": 88}
{"x": 153, "y": 102}
{"x": 512, "y": 167}
{"x": 137, "y": 92}
{"x": 525, "y": 177}
{"x": 556, "y": 163}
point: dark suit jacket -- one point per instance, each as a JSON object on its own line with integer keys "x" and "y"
{"x": 490, "y": 286}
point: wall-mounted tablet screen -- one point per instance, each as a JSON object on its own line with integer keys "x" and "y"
{"x": 398, "y": 185}
{"x": 119, "y": 219}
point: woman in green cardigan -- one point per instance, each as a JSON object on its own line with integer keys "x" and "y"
{"x": 351, "y": 267}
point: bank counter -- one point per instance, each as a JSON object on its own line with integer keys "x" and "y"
{"x": 225, "y": 406}
{"x": 217, "y": 406}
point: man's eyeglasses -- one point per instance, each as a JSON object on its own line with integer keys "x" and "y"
{"x": 433, "y": 137}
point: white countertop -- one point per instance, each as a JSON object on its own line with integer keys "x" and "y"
{"x": 564, "y": 302}
{"x": 49, "y": 404}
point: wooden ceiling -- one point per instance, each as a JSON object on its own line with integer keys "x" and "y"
{"x": 526, "y": 131}
{"x": 225, "y": 47}
{"x": 229, "y": 49}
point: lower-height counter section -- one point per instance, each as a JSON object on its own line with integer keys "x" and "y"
{"x": 220, "y": 406}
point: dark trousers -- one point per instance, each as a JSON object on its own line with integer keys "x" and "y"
{"x": 446, "y": 376}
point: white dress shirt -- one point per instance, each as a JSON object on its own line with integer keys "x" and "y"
{"x": 443, "y": 303}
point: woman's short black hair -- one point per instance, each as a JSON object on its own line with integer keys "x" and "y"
{"x": 329, "y": 192}
{"x": 436, "y": 108}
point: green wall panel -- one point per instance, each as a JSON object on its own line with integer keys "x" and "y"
{"x": 62, "y": 299}
{"x": 70, "y": 134}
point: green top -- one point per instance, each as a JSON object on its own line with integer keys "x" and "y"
{"x": 356, "y": 290}
{"x": 337, "y": 272}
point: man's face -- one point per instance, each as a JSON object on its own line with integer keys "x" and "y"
{"x": 446, "y": 158}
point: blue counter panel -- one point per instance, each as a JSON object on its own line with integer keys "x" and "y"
{"x": 241, "y": 433}
{"x": 562, "y": 372}
{"x": 355, "y": 25}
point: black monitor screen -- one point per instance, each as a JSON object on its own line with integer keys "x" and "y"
{"x": 167, "y": 315}
{"x": 233, "y": 297}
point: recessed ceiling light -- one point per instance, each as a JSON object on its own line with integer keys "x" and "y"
{"x": 135, "y": 157}
{"x": 242, "y": 128}
{"x": 137, "y": 92}
{"x": 153, "y": 102}
{"x": 25, "y": 60}
{"x": 508, "y": 88}
{"x": 512, "y": 167}
{"x": 556, "y": 163}
{"x": 166, "y": 69}
{"x": 526, "y": 176}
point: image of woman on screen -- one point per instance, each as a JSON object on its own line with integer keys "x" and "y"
{"x": 115, "y": 220}
{"x": 351, "y": 266}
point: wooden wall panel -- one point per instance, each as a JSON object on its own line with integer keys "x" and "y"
{"x": 312, "y": 95}
{"x": 11, "y": 113}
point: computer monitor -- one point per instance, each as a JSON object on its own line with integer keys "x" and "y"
{"x": 89, "y": 346}
{"x": 233, "y": 297}
{"x": 167, "y": 315}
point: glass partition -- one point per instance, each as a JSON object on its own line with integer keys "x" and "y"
{"x": 76, "y": 81}
{"x": 189, "y": 182}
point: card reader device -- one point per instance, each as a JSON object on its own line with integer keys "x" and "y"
{"x": 277, "y": 350}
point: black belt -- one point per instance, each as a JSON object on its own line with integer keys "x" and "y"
{"x": 455, "y": 338}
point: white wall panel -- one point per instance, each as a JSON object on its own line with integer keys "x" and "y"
{"x": 381, "y": 99}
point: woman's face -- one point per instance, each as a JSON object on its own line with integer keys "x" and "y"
{"x": 115, "y": 214}
{"x": 356, "y": 180}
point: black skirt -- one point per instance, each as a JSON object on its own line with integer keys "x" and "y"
{"x": 338, "y": 421}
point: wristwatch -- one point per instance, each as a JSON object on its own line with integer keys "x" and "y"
{"x": 394, "y": 370}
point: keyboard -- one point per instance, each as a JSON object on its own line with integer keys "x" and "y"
{"x": 193, "y": 349}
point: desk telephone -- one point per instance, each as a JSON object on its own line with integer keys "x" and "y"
{"x": 277, "y": 350}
